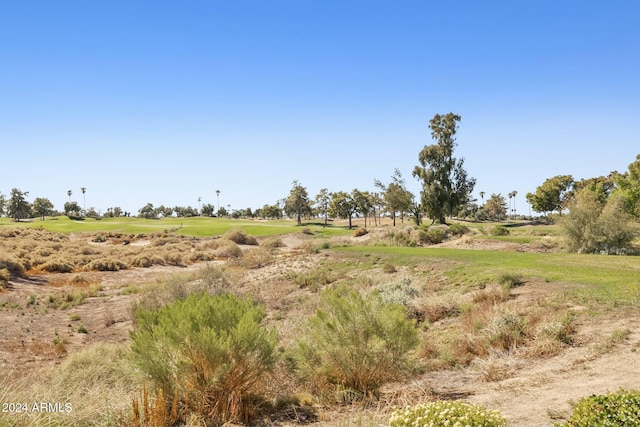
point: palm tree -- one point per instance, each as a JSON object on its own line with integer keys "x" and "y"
{"x": 515, "y": 193}
{"x": 482, "y": 196}
{"x": 510, "y": 196}
{"x": 218, "y": 194}
{"x": 69, "y": 193}
{"x": 200, "y": 203}
{"x": 84, "y": 200}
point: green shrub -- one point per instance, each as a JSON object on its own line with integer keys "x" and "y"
{"x": 510, "y": 280}
{"x": 607, "y": 410}
{"x": 240, "y": 237}
{"x": 507, "y": 330}
{"x": 210, "y": 351}
{"x": 433, "y": 235}
{"x": 458, "y": 229}
{"x": 356, "y": 344}
{"x": 446, "y": 413}
{"x": 499, "y": 230}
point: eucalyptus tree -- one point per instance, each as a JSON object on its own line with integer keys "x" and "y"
{"x": 17, "y": 206}
{"x": 343, "y": 205}
{"x": 364, "y": 203}
{"x": 552, "y": 195}
{"x": 297, "y": 203}
{"x": 445, "y": 183}
{"x": 496, "y": 206}
{"x": 395, "y": 195}
{"x": 322, "y": 200}
{"x": 42, "y": 207}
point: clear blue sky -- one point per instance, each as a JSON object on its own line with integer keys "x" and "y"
{"x": 167, "y": 101}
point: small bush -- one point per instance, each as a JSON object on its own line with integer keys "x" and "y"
{"x": 458, "y": 229}
{"x": 433, "y": 235}
{"x": 607, "y": 410}
{"x": 360, "y": 232}
{"x": 107, "y": 264}
{"x": 57, "y": 266}
{"x": 273, "y": 243}
{"x": 227, "y": 249}
{"x": 398, "y": 292}
{"x": 446, "y": 413}
{"x": 388, "y": 268}
{"x": 4, "y": 277}
{"x": 507, "y": 331}
{"x": 510, "y": 280}
{"x": 499, "y": 230}
{"x": 355, "y": 343}
{"x": 211, "y": 352}
{"x": 400, "y": 238}
{"x": 253, "y": 258}
{"x": 240, "y": 237}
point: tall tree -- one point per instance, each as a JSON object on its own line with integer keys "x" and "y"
{"x": 397, "y": 199}
{"x": 496, "y": 207}
{"x": 445, "y": 184}
{"x": 342, "y": 205}
{"x": 552, "y": 195}
{"x": 69, "y": 193}
{"x": 17, "y": 206}
{"x": 297, "y": 204}
{"x": 628, "y": 186}
{"x": 322, "y": 200}
{"x": 218, "y": 196}
{"x": 84, "y": 199}
{"x": 364, "y": 203}
{"x": 3, "y": 202}
{"x": 42, "y": 207}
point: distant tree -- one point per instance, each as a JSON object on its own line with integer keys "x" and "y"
{"x": 42, "y": 207}
{"x": 552, "y": 195}
{"x": 363, "y": 203}
{"x": 496, "y": 207}
{"x": 71, "y": 208}
{"x": 208, "y": 209}
{"x": 117, "y": 211}
{"x": 378, "y": 205}
{"x": 397, "y": 199}
{"x": 322, "y": 200}
{"x": 218, "y": 196}
{"x": 222, "y": 212}
{"x": 147, "y": 211}
{"x": 69, "y": 193}
{"x": 342, "y": 205}
{"x": 482, "y": 196}
{"x": 17, "y": 206}
{"x": 271, "y": 212}
{"x": 3, "y": 202}
{"x": 297, "y": 203}
{"x": 84, "y": 200}
{"x": 601, "y": 186}
{"x": 628, "y": 187}
{"x": 445, "y": 184}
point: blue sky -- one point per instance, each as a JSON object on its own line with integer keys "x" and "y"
{"x": 165, "y": 101}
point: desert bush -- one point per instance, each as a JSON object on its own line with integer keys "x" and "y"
{"x": 433, "y": 235}
{"x": 12, "y": 265}
{"x": 506, "y": 331}
{"x": 607, "y": 410}
{"x": 446, "y": 413}
{"x": 594, "y": 227}
{"x": 107, "y": 264}
{"x": 400, "y": 238}
{"x": 458, "y": 229}
{"x": 356, "y": 343}
{"x": 253, "y": 258}
{"x": 227, "y": 249}
{"x": 397, "y": 292}
{"x": 388, "y": 268}
{"x": 211, "y": 351}
{"x": 57, "y": 266}
{"x": 314, "y": 279}
{"x": 240, "y": 237}
{"x": 360, "y": 232}
{"x": 510, "y": 280}
{"x": 272, "y": 243}
{"x": 499, "y": 230}
{"x": 4, "y": 277}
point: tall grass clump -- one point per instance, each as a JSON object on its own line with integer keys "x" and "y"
{"x": 211, "y": 351}
{"x": 240, "y": 237}
{"x": 607, "y": 410}
{"x": 356, "y": 344}
{"x": 446, "y": 413}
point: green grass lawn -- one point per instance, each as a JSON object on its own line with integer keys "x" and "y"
{"x": 598, "y": 278}
{"x": 195, "y": 226}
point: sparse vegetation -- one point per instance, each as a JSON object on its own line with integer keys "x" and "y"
{"x": 446, "y": 413}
